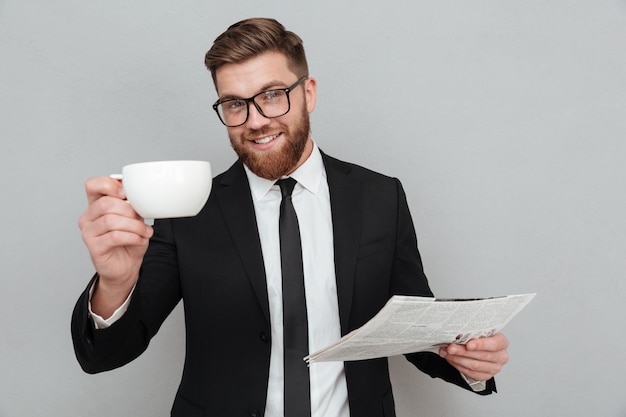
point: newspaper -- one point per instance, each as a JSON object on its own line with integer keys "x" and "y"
{"x": 413, "y": 324}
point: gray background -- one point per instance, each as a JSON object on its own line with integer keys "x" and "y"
{"x": 503, "y": 118}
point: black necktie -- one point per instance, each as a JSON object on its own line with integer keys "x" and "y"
{"x": 295, "y": 333}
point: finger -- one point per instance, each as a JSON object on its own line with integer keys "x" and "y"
{"x": 478, "y": 369}
{"x": 112, "y": 230}
{"x": 493, "y": 343}
{"x": 107, "y": 205}
{"x": 476, "y": 374}
{"x": 97, "y": 187}
{"x": 500, "y": 357}
{"x": 103, "y": 244}
{"x": 481, "y": 350}
{"x": 112, "y": 222}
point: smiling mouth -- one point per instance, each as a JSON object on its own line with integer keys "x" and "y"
{"x": 264, "y": 140}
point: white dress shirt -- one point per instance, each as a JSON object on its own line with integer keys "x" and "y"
{"x": 311, "y": 200}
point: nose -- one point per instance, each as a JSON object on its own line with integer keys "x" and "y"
{"x": 255, "y": 119}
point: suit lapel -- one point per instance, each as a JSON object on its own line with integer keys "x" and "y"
{"x": 345, "y": 200}
{"x": 237, "y": 208}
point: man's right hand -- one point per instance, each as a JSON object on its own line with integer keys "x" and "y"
{"x": 117, "y": 239}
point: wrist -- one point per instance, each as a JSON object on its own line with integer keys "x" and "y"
{"x": 107, "y": 296}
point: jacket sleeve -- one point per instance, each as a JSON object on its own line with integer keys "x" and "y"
{"x": 99, "y": 350}
{"x": 156, "y": 294}
{"x": 407, "y": 258}
{"x": 436, "y": 367}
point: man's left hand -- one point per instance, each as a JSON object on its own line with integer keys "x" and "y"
{"x": 479, "y": 359}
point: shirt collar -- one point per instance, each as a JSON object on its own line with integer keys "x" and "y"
{"x": 309, "y": 175}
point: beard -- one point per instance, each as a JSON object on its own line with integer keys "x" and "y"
{"x": 274, "y": 164}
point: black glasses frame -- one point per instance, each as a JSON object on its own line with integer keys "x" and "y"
{"x": 287, "y": 90}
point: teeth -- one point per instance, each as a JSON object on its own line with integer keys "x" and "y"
{"x": 267, "y": 139}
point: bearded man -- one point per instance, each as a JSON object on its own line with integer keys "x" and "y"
{"x": 355, "y": 248}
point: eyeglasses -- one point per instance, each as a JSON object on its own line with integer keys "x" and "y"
{"x": 234, "y": 112}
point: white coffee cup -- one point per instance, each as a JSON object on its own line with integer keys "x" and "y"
{"x": 167, "y": 189}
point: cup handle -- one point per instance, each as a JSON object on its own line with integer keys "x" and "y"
{"x": 119, "y": 178}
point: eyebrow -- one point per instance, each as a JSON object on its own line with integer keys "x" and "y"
{"x": 271, "y": 85}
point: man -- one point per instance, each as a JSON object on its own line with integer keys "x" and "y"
{"x": 358, "y": 247}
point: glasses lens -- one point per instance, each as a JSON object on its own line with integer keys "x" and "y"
{"x": 272, "y": 103}
{"x": 233, "y": 112}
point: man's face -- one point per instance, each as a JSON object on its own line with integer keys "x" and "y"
{"x": 273, "y": 147}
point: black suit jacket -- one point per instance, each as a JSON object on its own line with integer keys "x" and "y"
{"x": 214, "y": 263}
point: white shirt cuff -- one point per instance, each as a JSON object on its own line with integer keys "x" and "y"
{"x": 475, "y": 385}
{"x": 101, "y": 323}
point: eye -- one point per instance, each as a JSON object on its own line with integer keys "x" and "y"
{"x": 234, "y": 104}
{"x": 272, "y": 95}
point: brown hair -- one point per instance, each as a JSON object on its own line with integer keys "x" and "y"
{"x": 251, "y": 37}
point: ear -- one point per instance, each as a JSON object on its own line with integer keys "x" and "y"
{"x": 310, "y": 93}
